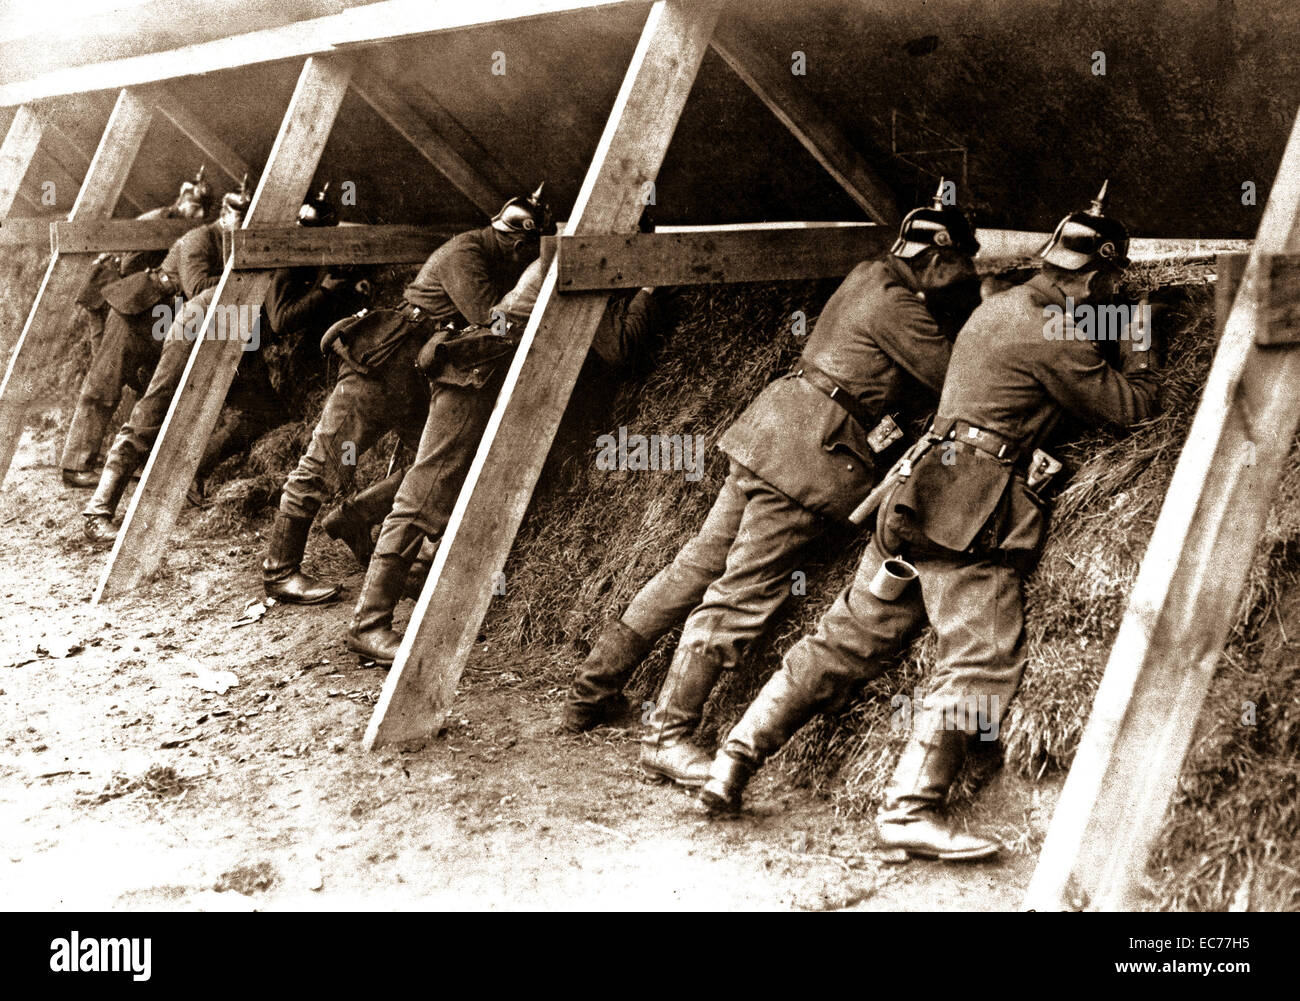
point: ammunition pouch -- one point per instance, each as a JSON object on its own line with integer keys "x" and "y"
{"x": 965, "y": 496}
{"x": 467, "y": 358}
{"x": 367, "y": 339}
{"x": 140, "y": 292}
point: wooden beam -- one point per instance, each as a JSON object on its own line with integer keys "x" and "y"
{"x": 94, "y": 236}
{"x": 422, "y": 683}
{"x": 73, "y": 160}
{"x": 67, "y": 274}
{"x": 286, "y": 180}
{"x": 296, "y": 246}
{"x": 214, "y": 150}
{"x": 393, "y": 109}
{"x": 1229, "y": 269}
{"x": 16, "y": 153}
{"x": 761, "y": 255}
{"x": 28, "y": 232}
{"x": 779, "y": 251}
{"x": 376, "y": 22}
{"x": 1185, "y": 599}
{"x": 786, "y": 97}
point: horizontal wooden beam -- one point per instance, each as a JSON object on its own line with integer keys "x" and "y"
{"x": 29, "y": 232}
{"x": 294, "y": 246}
{"x": 783, "y": 251}
{"x": 376, "y": 22}
{"x": 93, "y": 236}
{"x": 706, "y": 258}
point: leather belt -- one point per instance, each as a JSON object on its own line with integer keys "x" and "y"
{"x": 814, "y": 376}
{"x": 989, "y": 442}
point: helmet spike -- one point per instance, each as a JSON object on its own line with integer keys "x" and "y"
{"x": 938, "y": 195}
{"x": 1099, "y": 203}
{"x": 198, "y": 178}
{"x": 536, "y": 196}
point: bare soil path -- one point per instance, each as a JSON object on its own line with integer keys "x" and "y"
{"x": 125, "y": 784}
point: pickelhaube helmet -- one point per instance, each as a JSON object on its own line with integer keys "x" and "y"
{"x": 238, "y": 200}
{"x": 936, "y": 225}
{"x": 523, "y": 215}
{"x": 198, "y": 189}
{"x": 318, "y": 210}
{"x": 1088, "y": 239}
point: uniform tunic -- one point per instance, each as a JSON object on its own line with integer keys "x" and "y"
{"x": 380, "y": 389}
{"x": 1005, "y": 376}
{"x": 121, "y": 351}
{"x": 798, "y": 460}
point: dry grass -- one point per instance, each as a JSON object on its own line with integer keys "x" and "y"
{"x": 592, "y": 539}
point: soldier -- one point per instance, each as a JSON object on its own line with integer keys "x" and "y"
{"x": 971, "y": 518}
{"x": 123, "y": 349}
{"x": 295, "y": 298}
{"x": 380, "y": 389}
{"x": 466, "y": 373}
{"x": 802, "y": 456}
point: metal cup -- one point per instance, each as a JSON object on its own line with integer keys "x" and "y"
{"x": 892, "y": 579}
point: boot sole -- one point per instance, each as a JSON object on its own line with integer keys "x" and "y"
{"x": 714, "y": 805}
{"x": 299, "y": 601}
{"x": 661, "y": 778}
{"x": 975, "y": 854}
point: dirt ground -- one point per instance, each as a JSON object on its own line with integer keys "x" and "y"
{"x": 126, "y": 782}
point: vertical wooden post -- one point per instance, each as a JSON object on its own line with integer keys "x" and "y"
{"x": 68, "y": 273}
{"x": 20, "y": 144}
{"x": 175, "y": 457}
{"x": 1186, "y": 596}
{"x": 422, "y": 682}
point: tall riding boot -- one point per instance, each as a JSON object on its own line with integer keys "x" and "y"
{"x": 666, "y": 750}
{"x": 597, "y": 694}
{"x": 85, "y": 437}
{"x": 771, "y": 719}
{"x": 98, "y": 514}
{"x": 419, "y": 574}
{"x": 282, "y": 576}
{"x": 351, "y": 522}
{"x": 372, "y": 635}
{"x": 910, "y": 816}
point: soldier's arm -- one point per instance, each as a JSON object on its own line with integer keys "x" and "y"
{"x": 1079, "y": 378}
{"x": 469, "y": 285}
{"x": 912, "y": 338}
{"x": 294, "y": 305}
{"x": 197, "y": 272}
{"x": 137, "y": 260}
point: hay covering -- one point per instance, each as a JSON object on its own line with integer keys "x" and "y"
{"x": 593, "y": 538}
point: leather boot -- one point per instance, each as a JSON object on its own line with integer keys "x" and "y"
{"x": 98, "y": 514}
{"x": 666, "y": 751}
{"x": 372, "y": 635}
{"x": 910, "y": 817}
{"x": 415, "y": 580}
{"x": 597, "y": 693}
{"x": 282, "y": 576}
{"x": 83, "y": 479}
{"x": 771, "y": 720}
{"x": 350, "y": 523}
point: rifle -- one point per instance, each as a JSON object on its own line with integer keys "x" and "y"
{"x": 898, "y": 472}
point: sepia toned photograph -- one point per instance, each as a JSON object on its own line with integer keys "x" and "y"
{"x": 691, "y": 455}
